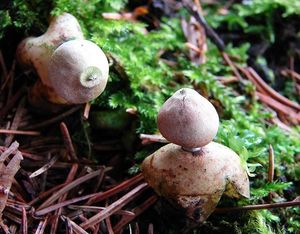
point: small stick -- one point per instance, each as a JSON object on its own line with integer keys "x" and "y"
{"x": 249, "y": 76}
{"x": 271, "y": 168}
{"x": 197, "y": 13}
{"x": 96, "y": 209}
{"x": 136, "y": 228}
{"x": 17, "y": 209}
{"x": 45, "y": 194}
{"x": 209, "y": 31}
{"x": 198, "y": 5}
{"x": 81, "y": 217}
{"x": 45, "y": 167}
{"x": 282, "y": 125}
{"x": 16, "y": 121}
{"x": 111, "y": 209}
{"x": 109, "y": 226}
{"x": 153, "y": 138}
{"x": 13, "y": 229}
{"x": 86, "y": 111}
{"x": 232, "y": 66}
{"x": 278, "y": 106}
{"x": 77, "y": 229}
{"x": 12, "y": 217}
{"x": 292, "y": 73}
{"x": 42, "y": 225}
{"x": 49, "y": 209}
{"x": 271, "y": 164}
{"x": 228, "y": 80}
{"x": 138, "y": 210}
{"x": 99, "y": 180}
{"x": 69, "y": 179}
{"x": 18, "y": 204}
{"x": 257, "y": 207}
{"x": 272, "y": 92}
{"x": 24, "y": 222}
{"x": 97, "y": 228}
{"x": 67, "y": 188}
{"x": 68, "y": 141}
{"x": 8, "y": 151}
{"x": 122, "y": 186}
{"x": 224, "y": 9}
{"x": 193, "y": 47}
{"x": 53, "y": 120}
{"x": 132, "y": 111}
{"x": 27, "y": 155}
{"x": 19, "y": 132}
{"x": 150, "y": 229}
{"x": 69, "y": 227}
{"x": 64, "y": 165}
{"x": 45, "y": 174}
{"x": 87, "y": 138}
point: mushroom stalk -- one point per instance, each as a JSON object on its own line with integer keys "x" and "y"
{"x": 195, "y": 150}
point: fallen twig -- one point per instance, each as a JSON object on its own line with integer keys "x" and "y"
{"x": 279, "y": 107}
{"x": 77, "y": 229}
{"x": 24, "y": 222}
{"x": 52, "y": 120}
{"x": 96, "y": 209}
{"x": 112, "y": 208}
{"x": 68, "y": 187}
{"x": 137, "y": 211}
{"x": 70, "y": 178}
{"x": 49, "y": 209}
{"x": 86, "y": 111}
{"x": 209, "y": 31}
{"x": 232, "y": 66}
{"x": 122, "y": 186}
{"x": 68, "y": 142}
{"x": 18, "y": 132}
{"x": 42, "y": 225}
{"x": 291, "y": 73}
{"x": 271, "y": 164}
{"x": 228, "y": 80}
{"x": 257, "y": 207}
{"x": 45, "y": 167}
{"x": 146, "y": 138}
{"x": 272, "y": 92}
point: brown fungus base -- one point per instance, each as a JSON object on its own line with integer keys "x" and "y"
{"x": 196, "y": 183}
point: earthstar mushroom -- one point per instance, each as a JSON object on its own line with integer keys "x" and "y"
{"x": 188, "y": 119}
{"x": 195, "y": 178}
{"x": 72, "y": 70}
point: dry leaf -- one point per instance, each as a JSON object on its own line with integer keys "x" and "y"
{"x": 196, "y": 40}
{"x": 7, "y": 173}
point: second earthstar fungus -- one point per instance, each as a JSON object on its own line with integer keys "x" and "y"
{"x": 71, "y": 70}
{"x": 192, "y": 172}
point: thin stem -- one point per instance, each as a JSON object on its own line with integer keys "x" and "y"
{"x": 257, "y": 207}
